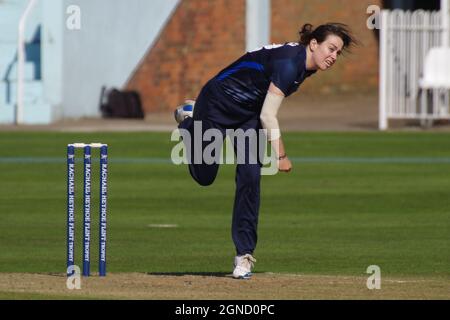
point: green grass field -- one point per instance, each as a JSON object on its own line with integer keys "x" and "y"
{"x": 352, "y": 200}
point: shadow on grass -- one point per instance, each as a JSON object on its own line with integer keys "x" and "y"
{"x": 181, "y": 274}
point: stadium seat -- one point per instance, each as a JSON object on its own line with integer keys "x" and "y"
{"x": 436, "y": 73}
{"x": 436, "y": 80}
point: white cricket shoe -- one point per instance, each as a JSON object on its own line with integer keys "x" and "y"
{"x": 184, "y": 111}
{"x": 243, "y": 266}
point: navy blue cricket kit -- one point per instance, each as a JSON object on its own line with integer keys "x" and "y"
{"x": 233, "y": 100}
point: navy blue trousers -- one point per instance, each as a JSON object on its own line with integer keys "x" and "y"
{"x": 214, "y": 110}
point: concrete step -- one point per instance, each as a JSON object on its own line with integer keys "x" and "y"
{"x": 7, "y": 113}
{"x": 33, "y": 92}
{"x": 11, "y": 10}
{"x": 8, "y": 62}
{"x": 14, "y": 2}
{"x": 10, "y": 31}
{"x": 36, "y": 110}
{"x": 8, "y": 57}
{"x": 37, "y": 113}
{"x": 31, "y": 73}
{"x": 10, "y": 13}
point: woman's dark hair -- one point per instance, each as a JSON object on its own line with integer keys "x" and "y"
{"x": 307, "y": 33}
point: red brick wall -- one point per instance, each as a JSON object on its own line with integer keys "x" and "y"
{"x": 204, "y": 36}
{"x": 355, "y": 71}
{"x": 201, "y": 38}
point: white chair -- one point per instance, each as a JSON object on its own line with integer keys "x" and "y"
{"x": 436, "y": 77}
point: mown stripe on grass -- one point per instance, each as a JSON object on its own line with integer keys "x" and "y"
{"x": 156, "y": 160}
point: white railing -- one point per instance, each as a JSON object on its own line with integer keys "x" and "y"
{"x": 445, "y": 13}
{"x": 405, "y": 39}
{"x": 21, "y": 61}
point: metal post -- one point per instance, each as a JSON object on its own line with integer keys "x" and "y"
{"x": 257, "y": 23}
{"x": 383, "y": 121}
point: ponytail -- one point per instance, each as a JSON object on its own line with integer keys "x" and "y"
{"x": 308, "y": 33}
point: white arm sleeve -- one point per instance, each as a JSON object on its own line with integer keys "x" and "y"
{"x": 268, "y": 115}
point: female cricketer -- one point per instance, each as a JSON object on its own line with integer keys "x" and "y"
{"x": 247, "y": 95}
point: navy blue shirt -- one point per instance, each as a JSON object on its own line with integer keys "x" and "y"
{"x": 247, "y": 80}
